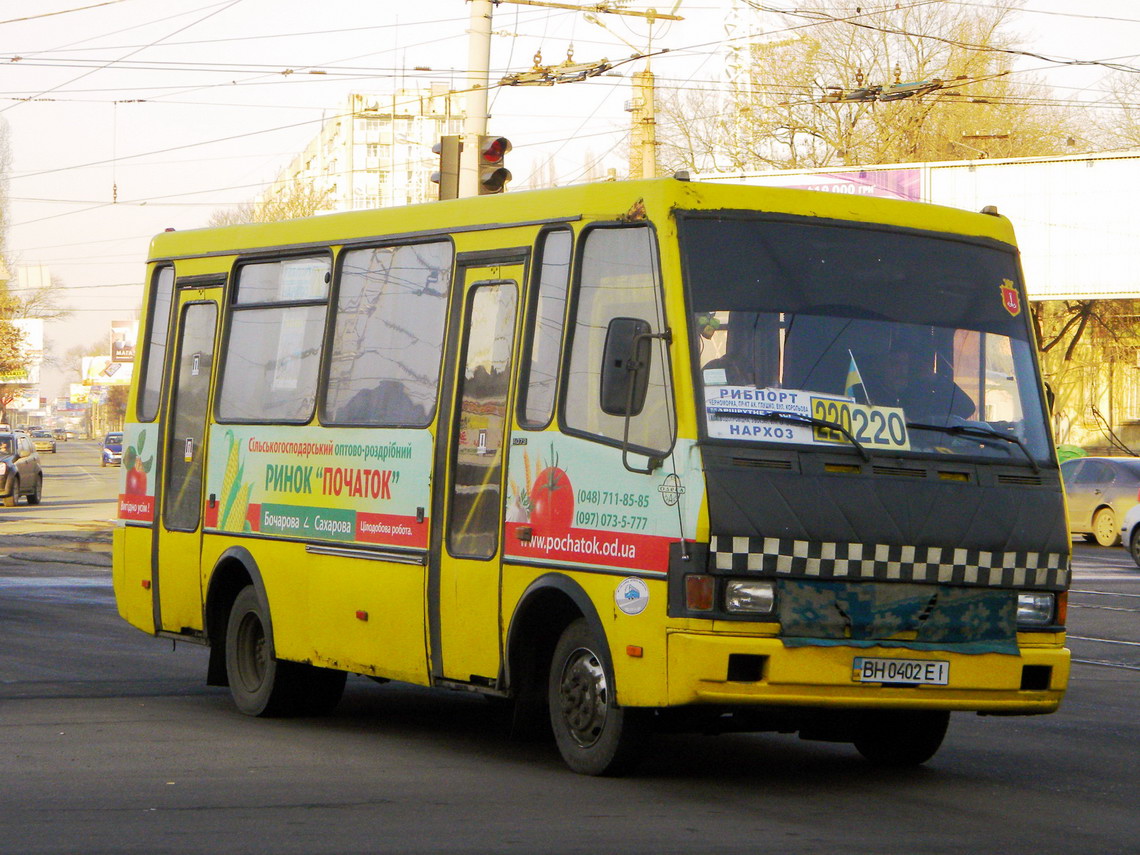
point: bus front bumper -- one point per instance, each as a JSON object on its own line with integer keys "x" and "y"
{"x": 715, "y": 668}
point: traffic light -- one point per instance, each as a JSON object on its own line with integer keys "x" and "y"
{"x": 448, "y": 148}
{"x": 493, "y": 176}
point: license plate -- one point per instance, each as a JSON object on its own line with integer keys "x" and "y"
{"x": 929, "y": 672}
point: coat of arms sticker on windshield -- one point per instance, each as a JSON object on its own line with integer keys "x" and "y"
{"x": 1010, "y": 298}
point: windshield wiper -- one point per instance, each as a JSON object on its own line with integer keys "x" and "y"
{"x": 981, "y": 432}
{"x": 779, "y": 415}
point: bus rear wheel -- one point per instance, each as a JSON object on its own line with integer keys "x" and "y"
{"x": 593, "y": 734}
{"x": 262, "y": 685}
{"x": 901, "y": 737}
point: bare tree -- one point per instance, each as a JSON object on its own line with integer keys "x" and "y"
{"x": 909, "y": 83}
{"x": 299, "y": 199}
{"x": 73, "y": 357}
{"x": 1117, "y": 124}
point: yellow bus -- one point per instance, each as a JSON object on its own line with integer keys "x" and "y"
{"x": 635, "y": 455}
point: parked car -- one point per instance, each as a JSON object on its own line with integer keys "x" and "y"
{"x": 1100, "y": 491}
{"x": 113, "y": 448}
{"x": 43, "y": 440}
{"x": 1130, "y": 533}
{"x": 20, "y": 472}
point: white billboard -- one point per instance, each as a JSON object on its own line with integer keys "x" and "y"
{"x": 123, "y": 336}
{"x": 104, "y": 371}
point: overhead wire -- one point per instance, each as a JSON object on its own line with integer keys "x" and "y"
{"x": 126, "y": 63}
{"x": 824, "y": 17}
{"x": 138, "y": 50}
{"x": 26, "y": 18}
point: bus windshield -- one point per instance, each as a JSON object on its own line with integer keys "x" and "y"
{"x": 889, "y": 341}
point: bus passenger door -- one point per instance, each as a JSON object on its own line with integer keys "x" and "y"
{"x": 464, "y": 574}
{"x": 177, "y": 577}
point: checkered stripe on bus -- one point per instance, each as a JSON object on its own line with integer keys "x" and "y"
{"x": 782, "y": 556}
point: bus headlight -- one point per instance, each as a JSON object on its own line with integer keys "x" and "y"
{"x": 1035, "y": 609}
{"x": 750, "y": 596}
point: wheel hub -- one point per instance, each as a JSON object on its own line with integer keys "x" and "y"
{"x": 584, "y": 696}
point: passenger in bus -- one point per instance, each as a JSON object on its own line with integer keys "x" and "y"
{"x": 924, "y": 395}
{"x": 387, "y": 403}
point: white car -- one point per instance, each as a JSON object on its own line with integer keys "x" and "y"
{"x": 1130, "y": 533}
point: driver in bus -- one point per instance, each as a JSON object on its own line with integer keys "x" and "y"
{"x": 919, "y": 391}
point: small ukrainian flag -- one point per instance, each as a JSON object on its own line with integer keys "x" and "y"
{"x": 854, "y": 379}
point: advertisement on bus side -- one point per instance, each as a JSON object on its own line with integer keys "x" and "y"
{"x": 339, "y": 484}
{"x": 572, "y": 501}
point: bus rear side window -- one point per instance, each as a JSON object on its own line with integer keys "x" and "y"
{"x": 274, "y": 346}
{"x": 158, "y": 321}
{"x": 390, "y": 317}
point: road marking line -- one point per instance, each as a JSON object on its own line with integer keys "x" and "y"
{"x": 1103, "y": 640}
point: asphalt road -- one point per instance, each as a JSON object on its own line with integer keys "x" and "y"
{"x": 110, "y": 742}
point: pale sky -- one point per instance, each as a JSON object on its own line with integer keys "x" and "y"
{"x": 126, "y": 117}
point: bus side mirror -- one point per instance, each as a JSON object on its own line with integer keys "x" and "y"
{"x": 625, "y": 367}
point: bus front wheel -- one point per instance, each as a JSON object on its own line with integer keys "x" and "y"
{"x": 262, "y": 685}
{"x": 901, "y": 737}
{"x": 594, "y": 735}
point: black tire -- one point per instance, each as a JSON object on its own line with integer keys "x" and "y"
{"x": 37, "y": 493}
{"x": 901, "y": 737}
{"x": 264, "y": 686}
{"x": 1105, "y": 529}
{"x": 13, "y": 494}
{"x": 1134, "y": 545}
{"x": 593, "y": 734}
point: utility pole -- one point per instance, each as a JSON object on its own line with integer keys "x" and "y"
{"x": 642, "y": 107}
{"x": 643, "y": 127}
{"x": 478, "y": 81}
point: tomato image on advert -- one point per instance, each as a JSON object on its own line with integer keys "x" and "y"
{"x": 136, "y": 500}
{"x": 546, "y": 504}
{"x": 136, "y": 467}
{"x": 552, "y": 501}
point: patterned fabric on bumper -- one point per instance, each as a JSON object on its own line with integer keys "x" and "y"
{"x": 928, "y": 617}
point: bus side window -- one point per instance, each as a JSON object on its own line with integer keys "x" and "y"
{"x": 619, "y": 279}
{"x": 274, "y": 344}
{"x": 546, "y": 318}
{"x": 158, "y": 321}
{"x": 390, "y": 317}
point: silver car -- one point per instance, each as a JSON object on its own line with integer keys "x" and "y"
{"x": 1099, "y": 492}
